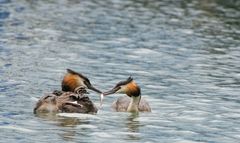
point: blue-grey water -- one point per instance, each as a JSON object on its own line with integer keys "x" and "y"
{"x": 185, "y": 55}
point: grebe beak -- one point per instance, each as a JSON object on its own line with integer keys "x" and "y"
{"x": 112, "y": 91}
{"x": 94, "y": 89}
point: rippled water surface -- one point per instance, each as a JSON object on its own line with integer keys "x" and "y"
{"x": 185, "y": 55}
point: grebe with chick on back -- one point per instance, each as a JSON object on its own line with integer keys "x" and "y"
{"x": 71, "y": 99}
{"x": 133, "y": 101}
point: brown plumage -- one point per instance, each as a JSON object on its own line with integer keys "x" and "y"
{"x": 68, "y": 102}
{"x": 71, "y": 99}
{"x": 46, "y": 104}
{"x": 70, "y": 82}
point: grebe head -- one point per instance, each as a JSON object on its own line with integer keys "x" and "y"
{"x": 73, "y": 80}
{"x": 128, "y": 87}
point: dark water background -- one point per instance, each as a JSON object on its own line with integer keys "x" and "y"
{"x": 185, "y": 55}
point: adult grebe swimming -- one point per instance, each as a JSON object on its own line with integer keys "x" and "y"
{"x": 133, "y": 101}
{"x": 71, "y": 99}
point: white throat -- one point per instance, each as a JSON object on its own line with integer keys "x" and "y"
{"x": 133, "y": 105}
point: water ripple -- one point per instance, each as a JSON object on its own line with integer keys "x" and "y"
{"x": 184, "y": 55}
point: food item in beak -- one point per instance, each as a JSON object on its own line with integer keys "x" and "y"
{"x": 101, "y": 100}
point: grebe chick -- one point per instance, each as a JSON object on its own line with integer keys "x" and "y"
{"x": 67, "y": 102}
{"x": 133, "y": 101}
{"x": 47, "y": 103}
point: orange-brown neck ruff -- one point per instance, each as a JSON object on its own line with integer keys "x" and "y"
{"x": 133, "y": 89}
{"x": 70, "y": 82}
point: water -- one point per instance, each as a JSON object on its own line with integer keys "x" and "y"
{"x": 185, "y": 55}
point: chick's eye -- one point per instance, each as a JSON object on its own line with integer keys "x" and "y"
{"x": 73, "y": 97}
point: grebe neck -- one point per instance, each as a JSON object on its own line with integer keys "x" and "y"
{"x": 133, "y": 105}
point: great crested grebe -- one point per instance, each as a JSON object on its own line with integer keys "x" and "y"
{"x": 133, "y": 101}
{"x": 71, "y": 99}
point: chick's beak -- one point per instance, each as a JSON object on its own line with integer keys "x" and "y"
{"x": 112, "y": 91}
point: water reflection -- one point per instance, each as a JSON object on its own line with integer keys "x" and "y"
{"x": 133, "y": 126}
{"x": 68, "y": 124}
{"x": 68, "y": 135}
{"x": 60, "y": 121}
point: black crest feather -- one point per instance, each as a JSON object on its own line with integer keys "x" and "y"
{"x": 129, "y": 79}
{"x": 80, "y": 75}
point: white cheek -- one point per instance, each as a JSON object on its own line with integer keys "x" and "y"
{"x": 122, "y": 89}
